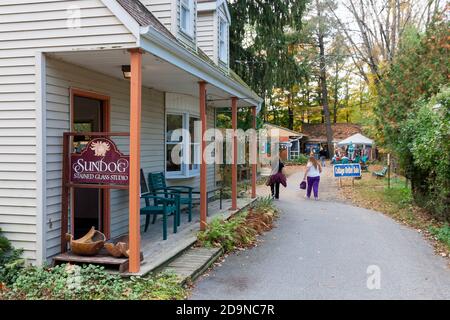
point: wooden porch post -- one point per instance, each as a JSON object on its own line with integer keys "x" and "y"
{"x": 203, "y": 173}
{"x": 235, "y": 154}
{"x": 135, "y": 160}
{"x": 255, "y": 150}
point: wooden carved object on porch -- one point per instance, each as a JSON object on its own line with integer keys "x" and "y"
{"x": 119, "y": 248}
{"x": 88, "y": 245}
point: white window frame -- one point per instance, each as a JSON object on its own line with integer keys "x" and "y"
{"x": 223, "y": 40}
{"x": 186, "y": 143}
{"x": 187, "y": 5}
{"x": 166, "y": 143}
{"x": 197, "y": 145}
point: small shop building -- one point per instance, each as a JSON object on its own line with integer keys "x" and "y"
{"x": 128, "y": 70}
{"x": 317, "y": 135}
{"x": 289, "y": 141}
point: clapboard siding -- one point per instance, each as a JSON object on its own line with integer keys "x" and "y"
{"x": 176, "y": 103}
{"x": 60, "y": 77}
{"x": 207, "y": 37}
{"x": 208, "y": 33}
{"x": 162, "y": 9}
{"x": 26, "y": 27}
{"x": 168, "y": 13}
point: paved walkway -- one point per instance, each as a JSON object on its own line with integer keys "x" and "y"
{"x": 324, "y": 250}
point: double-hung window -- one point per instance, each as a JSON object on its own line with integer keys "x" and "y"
{"x": 187, "y": 16}
{"x": 223, "y": 40}
{"x": 194, "y": 145}
{"x": 182, "y": 145}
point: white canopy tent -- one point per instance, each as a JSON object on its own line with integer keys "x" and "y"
{"x": 356, "y": 139}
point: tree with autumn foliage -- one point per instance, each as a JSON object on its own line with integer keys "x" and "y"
{"x": 415, "y": 82}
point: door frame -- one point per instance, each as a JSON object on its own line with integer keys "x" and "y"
{"x": 106, "y": 124}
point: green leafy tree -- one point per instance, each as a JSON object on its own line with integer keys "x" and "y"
{"x": 417, "y": 74}
{"x": 263, "y": 40}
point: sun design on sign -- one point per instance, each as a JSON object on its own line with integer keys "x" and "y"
{"x": 100, "y": 148}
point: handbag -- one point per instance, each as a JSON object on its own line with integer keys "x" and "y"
{"x": 303, "y": 185}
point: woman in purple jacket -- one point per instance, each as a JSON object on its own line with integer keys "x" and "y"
{"x": 276, "y": 178}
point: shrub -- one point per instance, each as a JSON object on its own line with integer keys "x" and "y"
{"x": 418, "y": 135}
{"x": 240, "y": 230}
{"x": 5, "y": 246}
{"x": 300, "y": 160}
{"x": 426, "y": 136}
{"x": 442, "y": 233}
{"x": 264, "y": 204}
{"x": 89, "y": 282}
{"x": 223, "y": 233}
{"x": 10, "y": 261}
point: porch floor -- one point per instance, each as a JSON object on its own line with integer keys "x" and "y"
{"x": 157, "y": 251}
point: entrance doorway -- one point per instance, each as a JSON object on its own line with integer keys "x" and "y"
{"x": 89, "y": 207}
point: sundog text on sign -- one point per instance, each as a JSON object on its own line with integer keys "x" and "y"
{"x": 100, "y": 162}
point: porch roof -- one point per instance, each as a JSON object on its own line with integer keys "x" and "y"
{"x": 285, "y": 132}
{"x": 157, "y": 74}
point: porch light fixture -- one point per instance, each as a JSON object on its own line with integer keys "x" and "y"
{"x": 126, "y": 69}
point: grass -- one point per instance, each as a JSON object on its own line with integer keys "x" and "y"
{"x": 397, "y": 202}
{"x": 442, "y": 234}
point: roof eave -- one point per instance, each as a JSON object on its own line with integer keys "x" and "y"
{"x": 158, "y": 44}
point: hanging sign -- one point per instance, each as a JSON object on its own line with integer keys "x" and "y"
{"x": 347, "y": 170}
{"x": 100, "y": 162}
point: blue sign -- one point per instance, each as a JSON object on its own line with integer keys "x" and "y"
{"x": 347, "y": 170}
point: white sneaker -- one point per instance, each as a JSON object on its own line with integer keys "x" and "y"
{"x": 317, "y": 199}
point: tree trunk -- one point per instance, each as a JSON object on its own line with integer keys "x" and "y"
{"x": 347, "y": 95}
{"x": 335, "y": 102}
{"x": 323, "y": 84}
{"x": 290, "y": 112}
{"x": 291, "y": 118}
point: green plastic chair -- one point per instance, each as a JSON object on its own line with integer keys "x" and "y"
{"x": 160, "y": 203}
{"x": 157, "y": 183}
{"x": 165, "y": 204}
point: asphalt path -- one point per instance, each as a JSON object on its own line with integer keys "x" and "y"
{"x": 327, "y": 249}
